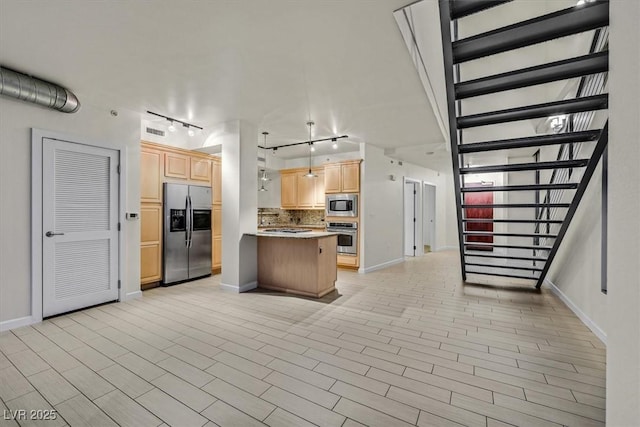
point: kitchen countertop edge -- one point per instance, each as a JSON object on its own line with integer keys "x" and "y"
{"x": 305, "y": 235}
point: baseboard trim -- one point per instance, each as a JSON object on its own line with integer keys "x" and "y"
{"x": 602, "y": 336}
{"x": 16, "y": 323}
{"x": 363, "y": 270}
{"x": 132, "y": 295}
{"x": 239, "y": 289}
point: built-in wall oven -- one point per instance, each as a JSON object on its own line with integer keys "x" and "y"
{"x": 347, "y": 237}
{"x": 342, "y": 205}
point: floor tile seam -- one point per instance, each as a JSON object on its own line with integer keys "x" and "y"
{"x": 564, "y": 411}
{"x": 381, "y": 411}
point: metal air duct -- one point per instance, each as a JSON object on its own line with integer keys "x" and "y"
{"x": 30, "y": 89}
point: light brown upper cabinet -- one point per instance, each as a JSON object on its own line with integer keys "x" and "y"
{"x": 289, "y": 190}
{"x": 150, "y": 172}
{"x": 306, "y": 190}
{"x": 176, "y": 165}
{"x": 319, "y": 189}
{"x": 332, "y": 178}
{"x": 201, "y": 170}
{"x": 298, "y": 191}
{"x": 216, "y": 188}
{"x": 342, "y": 177}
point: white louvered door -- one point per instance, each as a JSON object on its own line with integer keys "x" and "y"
{"x": 80, "y": 226}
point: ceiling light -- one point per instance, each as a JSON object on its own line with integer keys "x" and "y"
{"x": 312, "y": 148}
{"x": 310, "y": 174}
{"x": 557, "y": 122}
{"x": 335, "y": 143}
{"x": 262, "y": 188}
{"x": 172, "y": 127}
{"x": 263, "y": 176}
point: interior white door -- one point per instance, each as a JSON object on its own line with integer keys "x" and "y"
{"x": 79, "y": 225}
{"x": 409, "y": 219}
{"x": 429, "y": 215}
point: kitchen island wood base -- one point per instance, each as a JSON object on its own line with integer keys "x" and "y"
{"x": 300, "y": 266}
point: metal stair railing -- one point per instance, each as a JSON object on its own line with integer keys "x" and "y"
{"x": 553, "y": 213}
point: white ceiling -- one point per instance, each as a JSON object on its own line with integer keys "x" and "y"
{"x": 274, "y": 63}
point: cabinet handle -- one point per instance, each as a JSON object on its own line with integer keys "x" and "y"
{"x": 320, "y": 249}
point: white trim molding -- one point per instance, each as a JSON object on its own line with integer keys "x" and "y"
{"x": 445, "y": 248}
{"x": 363, "y": 270}
{"x": 602, "y": 336}
{"x": 239, "y": 289}
{"x": 132, "y": 295}
{"x": 17, "y": 323}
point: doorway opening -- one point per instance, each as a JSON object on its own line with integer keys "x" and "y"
{"x": 412, "y": 234}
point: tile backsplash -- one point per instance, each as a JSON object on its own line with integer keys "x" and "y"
{"x": 282, "y": 217}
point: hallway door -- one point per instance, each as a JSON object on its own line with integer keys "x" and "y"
{"x": 79, "y": 226}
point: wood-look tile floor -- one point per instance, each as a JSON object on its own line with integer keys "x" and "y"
{"x": 408, "y": 345}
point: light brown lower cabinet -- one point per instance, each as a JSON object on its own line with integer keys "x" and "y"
{"x": 150, "y": 243}
{"x": 217, "y": 253}
{"x": 348, "y": 261}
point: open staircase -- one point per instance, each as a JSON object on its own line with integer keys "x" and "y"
{"x": 528, "y": 233}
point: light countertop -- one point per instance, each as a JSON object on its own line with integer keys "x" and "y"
{"x": 314, "y": 226}
{"x": 305, "y": 235}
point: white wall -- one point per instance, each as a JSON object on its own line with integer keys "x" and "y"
{"x": 303, "y": 162}
{"x": 16, "y": 120}
{"x": 382, "y": 224}
{"x": 271, "y": 197}
{"x": 576, "y": 268}
{"x": 623, "y": 299}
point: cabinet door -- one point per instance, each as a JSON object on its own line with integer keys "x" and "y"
{"x": 216, "y": 185}
{"x": 306, "y": 191}
{"x": 216, "y": 261}
{"x": 176, "y": 165}
{"x": 150, "y": 180}
{"x": 351, "y": 178}
{"x": 217, "y": 221}
{"x": 319, "y": 190}
{"x": 288, "y": 190}
{"x": 201, "y": 170}
{"x": 150, "y": 243}
{"x": 332, "y": 178}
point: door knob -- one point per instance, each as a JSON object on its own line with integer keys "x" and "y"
{"x": 51, "y": 234}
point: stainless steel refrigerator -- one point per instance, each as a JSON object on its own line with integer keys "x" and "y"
{"x": 187, "y": 232}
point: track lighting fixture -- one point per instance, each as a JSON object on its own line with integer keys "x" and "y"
{"x": 172, "y": 127}
{"x": 335, "y": 143}
{"x": 312, "y": 147}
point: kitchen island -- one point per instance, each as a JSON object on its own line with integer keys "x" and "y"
{"x": 297, "y": 262}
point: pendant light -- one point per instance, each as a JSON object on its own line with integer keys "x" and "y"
{"x": 335, "y": 143}
{"x": 310, "y": 174}
{"x": 264, "y": 176}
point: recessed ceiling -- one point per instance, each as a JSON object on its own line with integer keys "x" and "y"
{"x": 275, "y": 63}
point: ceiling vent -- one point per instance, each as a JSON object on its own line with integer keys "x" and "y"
{"x": 155, "y": 131}
{"x": 26, "y": 88}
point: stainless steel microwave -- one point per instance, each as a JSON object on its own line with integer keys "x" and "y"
{"x": 342, "y": 205}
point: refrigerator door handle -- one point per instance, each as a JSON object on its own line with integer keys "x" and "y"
{"x": 190, "y": 222}
{"x": 187, "y": 234}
